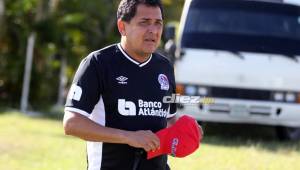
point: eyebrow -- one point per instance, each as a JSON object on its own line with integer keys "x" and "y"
{"x": 147, "y": 19}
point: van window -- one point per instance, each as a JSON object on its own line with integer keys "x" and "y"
{"x": 243, "y": 28}
{"x": 243, "y": 23}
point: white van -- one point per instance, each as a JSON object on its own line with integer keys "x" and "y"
{"x": 245, "y": 55}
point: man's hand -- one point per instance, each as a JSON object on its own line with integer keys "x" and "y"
{"x": 201, "y": 132}
{"x": 145, "y": 139}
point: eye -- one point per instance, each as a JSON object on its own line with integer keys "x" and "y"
{"x": 159, "y": 23}
{"x": 143, "y": 23}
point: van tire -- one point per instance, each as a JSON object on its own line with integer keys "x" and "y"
{"x": 288, "y": 133}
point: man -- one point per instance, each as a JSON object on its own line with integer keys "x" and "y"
{"x": 115, "y": 101}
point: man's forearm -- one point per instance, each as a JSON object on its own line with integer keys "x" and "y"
{"x": 84, "y": 128}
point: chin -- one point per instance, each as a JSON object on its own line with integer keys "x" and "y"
{"x": 150, "y": 49}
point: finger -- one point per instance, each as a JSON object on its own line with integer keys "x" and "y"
{"x": 152, "y": 140}
{"x": 152, "y": 146}
{"x": 155, "y": 141}
{"x": 201, "y": 130}
{"x": 147, "y": 148}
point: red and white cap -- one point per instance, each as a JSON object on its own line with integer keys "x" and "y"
{"x": 179, "y": 140}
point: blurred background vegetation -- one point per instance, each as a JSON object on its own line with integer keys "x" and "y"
{"x": 65, "y": 31}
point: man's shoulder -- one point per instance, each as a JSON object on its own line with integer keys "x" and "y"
{"x": 103, "y": 53}
{"x": 161, "y": 59}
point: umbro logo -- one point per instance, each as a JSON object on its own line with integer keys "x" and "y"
{"x": 122, "y": 80}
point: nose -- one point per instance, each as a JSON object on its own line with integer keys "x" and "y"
{"x": 153, "y": 29}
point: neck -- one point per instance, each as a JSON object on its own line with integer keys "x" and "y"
{"x": 138, "y": 56}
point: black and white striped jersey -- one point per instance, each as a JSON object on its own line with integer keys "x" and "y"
{"x": 114, "y": 90}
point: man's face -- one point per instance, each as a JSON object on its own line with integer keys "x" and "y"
{"x": 143, "y": 32}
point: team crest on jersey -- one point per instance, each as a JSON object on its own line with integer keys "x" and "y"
{"x": 163, "y": 81}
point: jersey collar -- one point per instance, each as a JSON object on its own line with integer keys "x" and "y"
{"x": 133, "y": 60}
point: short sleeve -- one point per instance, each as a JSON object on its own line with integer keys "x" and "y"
{"x": 86, "y": 88}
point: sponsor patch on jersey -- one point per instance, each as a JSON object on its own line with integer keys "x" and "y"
{"x": 163, "y": 81}
{"x": 144, "y": 108}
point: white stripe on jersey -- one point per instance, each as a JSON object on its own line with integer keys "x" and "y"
{"x": 94, "y": 152}
{"x": 94, "y": 149}
{"x": 72, "y": 109}
{"x": 169, "y": 114}
{"x": 132, "y": 60}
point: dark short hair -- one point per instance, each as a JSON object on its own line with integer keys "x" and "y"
{"x": 127, "y": 8}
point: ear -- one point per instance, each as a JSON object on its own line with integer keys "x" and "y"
{"x": 121, "y": 27}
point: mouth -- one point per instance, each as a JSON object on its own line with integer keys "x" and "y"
{"x": 151, "y": 40}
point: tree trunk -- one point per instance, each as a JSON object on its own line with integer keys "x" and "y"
{"x": 62, "y": 82}
{"x": 2, "y": 11}
{"x": 53, "y": 5}
{"x": 2, "y": 8}
{"x": 27, "y": 72}
{"x": 41, "y": 14}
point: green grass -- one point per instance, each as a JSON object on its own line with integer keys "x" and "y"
{"x": 28, "y": 143}
{"x": 38, "y": 144}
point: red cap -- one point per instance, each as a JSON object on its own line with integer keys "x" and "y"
{"x": 179, "y": 140}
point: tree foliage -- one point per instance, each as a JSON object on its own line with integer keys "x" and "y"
{"x": 64, "y": 28}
